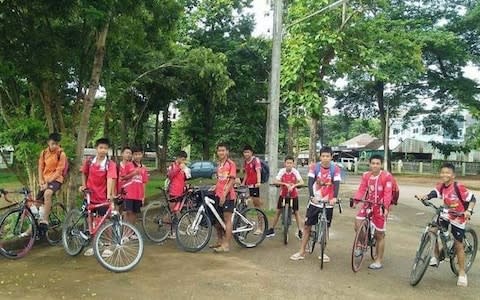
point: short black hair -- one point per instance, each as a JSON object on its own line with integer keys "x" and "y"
{"x": 103, "y": 141}
{"x": 126, "y": 148}
{"x": 289, "y": 157}
{"x": 326, "y": 149}
{"x": 182, "y": 154}
{"x": 221, "y": 144}
{"x": 448, "y": 165}
{"x": 376, "y": 156}
{"x": 137, "y": 148}
{"x": 247, "y": 148}
{"x": 56, "y": 137}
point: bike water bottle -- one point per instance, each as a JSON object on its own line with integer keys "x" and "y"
{"x": 41, "y": 213}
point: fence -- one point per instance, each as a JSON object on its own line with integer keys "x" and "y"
{"x": 431, "y": 167}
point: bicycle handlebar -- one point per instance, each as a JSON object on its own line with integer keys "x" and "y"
{"x": 439, "y": 208}
{"x": 280, "y": 185}
{"x": 353, "y": 201}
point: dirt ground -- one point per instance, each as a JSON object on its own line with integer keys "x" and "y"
{"x": 264, "y": 272}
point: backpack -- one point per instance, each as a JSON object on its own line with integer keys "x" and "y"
{"x": 395, "y": 188}
{"x": 332, "y": 170}
{"x": 265, "y": 171}
{"x": 67, "y": 163}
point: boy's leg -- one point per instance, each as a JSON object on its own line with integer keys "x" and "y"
{"x": 276, "y": 218}
{"x": 310, "y": 220}
{"x": 459, "y": 235}
{"x": 460, "y": 252}
{"x": 380, "y": 237}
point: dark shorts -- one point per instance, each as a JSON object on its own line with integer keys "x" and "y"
{"x": 101, "y": 211}
{"x": 458, "y": 233}
{"x": 254, "y": 192}
{"x": 294, "y": 206}
{"x": 132, "y": 205}
{"x": 313, "y": 212}
{"x": 55, "y": 186}
{"x": 228, "y": 206}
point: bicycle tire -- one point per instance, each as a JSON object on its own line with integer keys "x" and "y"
{"x": 75, "y": 222}
{"x": 285, "y": 224}
{"x": 360, "y": 245}
{"x": 256, "y": 218}
{"x": 186, "y": 231}
{"x": 323, "y": 242}
{"x": 115, "y": 236}
{"x": 422, "y": 257}
{"x": 470, "y": 247}
{"x": 12, "y": 245}
{"x": 55, "y": 222}
{"x": 157, "y": 222}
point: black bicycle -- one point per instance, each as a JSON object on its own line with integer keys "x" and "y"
{"x": 287, "y": 211}
{"x": 435, "y": 232}
{"x": 19, "y": 227}
{"x": 319, "y": 233}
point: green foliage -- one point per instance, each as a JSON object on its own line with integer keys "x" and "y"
{"x": 447, "y": 149}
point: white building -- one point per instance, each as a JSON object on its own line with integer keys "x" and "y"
{"x": 173, "y": 113}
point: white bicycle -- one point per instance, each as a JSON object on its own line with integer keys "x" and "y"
{"x": 195, "y": 226}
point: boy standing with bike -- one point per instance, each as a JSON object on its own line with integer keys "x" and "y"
{"x": 459, "y": 203}
{"x": 288, "y": 179}
{"x": 323, "y": 185}
{"x": 252, "y": 168}
{"x": 375, "y": 187}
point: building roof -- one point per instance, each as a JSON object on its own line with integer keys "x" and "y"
{"x": 361, "y": 141}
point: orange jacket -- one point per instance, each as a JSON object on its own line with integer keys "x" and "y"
{"x": 51, "y": 165}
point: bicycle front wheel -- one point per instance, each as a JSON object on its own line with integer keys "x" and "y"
{"x": 157, "y": 222}
{"x": 55, "y": 221}
{"x": 285, "y": 224}
{"x": 360, "y": 246}
{"x": 250, "y": 227}
{"x": 422, "y": 258}
{"x": 323, "y": 241}
{"x": 18, "y": 231}
{"x": 470, "y": 246}
{"x": 194, "y": 230}
{"x": 75, "y": 223}
{"x": 118, "y": 246}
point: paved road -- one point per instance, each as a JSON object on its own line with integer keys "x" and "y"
{"x": 262, "y": 273}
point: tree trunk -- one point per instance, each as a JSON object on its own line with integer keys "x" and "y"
{"x": 88, "y": 103}
{"x": 290, "y": 140}
{"x": 123, "y": 129}
{"x": 207, "y": 130}
{"x": 379, "y": 95}
{"x": 46, "y": 97}
{"x": 312, "y": 148}
{"x": 60, "y": 119}
{"x": 157, "y": 140}
{"x": 165, "y": 134}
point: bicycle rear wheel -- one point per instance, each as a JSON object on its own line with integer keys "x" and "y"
{"x": 422, "y": 257}
{"x": 360, "y": 246}
{"x": 157, "y": 222}
{"x": 118, "y": 246}
{"x": 75, "y": 223}
{"x": 285, "y": 224}
{"x": 18, "y": 231}
{"x": 55, "y": 221}
{"x": 193, "y": 233}
{"x": 250, "y": 228}
{"x": 470, "y": 246}
{"x": 323, "y": 241}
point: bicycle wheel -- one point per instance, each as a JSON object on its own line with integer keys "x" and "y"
{"x": 18, "y": 231}
{"x": 75, "y": 223}
{"x": 55, "y": 221}
{"x": 118, "y": 246}
{"x": 193, "y": 232}
{"x": 250, "y": 227}
{"x": 312, "y": 241}
{"x": 323, "y": 241}
{"x": 372, "y": 243}
{"x": 470, "y": 246}
{"x": 422, "y": 257}
{"x": 157, "y": 222}
{"x": 285, "y": 224}
{"x": 360, "y": 246}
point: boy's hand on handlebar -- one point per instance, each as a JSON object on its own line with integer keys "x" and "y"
{"x": 82, "y": 188}
{"x": 422, "y": 197}
{"x": 333, "y": 201}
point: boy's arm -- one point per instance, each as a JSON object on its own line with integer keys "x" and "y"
{"x": 311, "y": 180}
{"x": 60, "y": 167}
{"x": 258, "y": 169}
{"x": 387, "y": 193}
{"x": 337, "y": 178}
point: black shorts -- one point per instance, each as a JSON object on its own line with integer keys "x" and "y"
{"x": 254, "y": 192}
{"x": 311, "y": 217}
{"x": 294, "y": 206}
{"x": 228, "y": 206}
{"x": 55, "y": 186}
{"x": 458, "y": 233}
{"x": 101, "y": 211}
{"x": 132, "y": 205}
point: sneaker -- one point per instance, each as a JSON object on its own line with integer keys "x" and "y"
{"x": 270, "y": 232}
{"x": 258, "y": 232}
{"x": 172, "y": 236}
{"x": 42, "y": 229}
{"x": 326, "y": 259}
{"x": 297, "y": 256}
{"x": 375, "y": 266}
{"x": 107, "y": 253}
{"x": 462, "y": 281}
{"x": 23, "y": 234}
{"x": 433, "y": 262}
{"x": 88, "y": 252}
{"x": 299, "y": 235}
{"x": 358, "y": 252}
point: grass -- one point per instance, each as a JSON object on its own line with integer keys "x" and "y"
{"x": 8, "y": 180}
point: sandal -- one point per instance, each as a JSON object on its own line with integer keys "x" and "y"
{"x": 221, "y": 249}
{"x": 214, "y": 246}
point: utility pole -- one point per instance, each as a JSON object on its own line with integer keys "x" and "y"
{"x": 274, "y": 97}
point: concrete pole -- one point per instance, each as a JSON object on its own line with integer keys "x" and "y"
{"x": 274, "y": 97}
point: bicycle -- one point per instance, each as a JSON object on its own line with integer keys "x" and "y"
{"x": 123, "y": 239}
{"x": 319, "y": 233}
{"x": 195, "y": 226}
{"x": 158, "y": 220}
{"x": 434, "y": 232}
{"x": 364, "y": 237}
{"x": 19, "y": 225}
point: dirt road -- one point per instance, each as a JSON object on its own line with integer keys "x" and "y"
{"x": 262, "y": 273}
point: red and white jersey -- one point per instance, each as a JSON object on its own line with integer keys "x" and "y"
{"x": 324, "y": 188}
{"x": 136, "y": 185}
{"x": 292, "y": 176}
{"x": 97, "y": 173}
{"x": 177, "y": 180}
{"x": 250, "y": 168}
{"x": 453, "y": 203}
{"x": 377, "y": 189}
{"x": 226, "y": 172}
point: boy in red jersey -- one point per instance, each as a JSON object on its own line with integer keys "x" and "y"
{"x": 288, "y": 178}
{"x": 252, "y": 168}
{"x": 457, "y": 200}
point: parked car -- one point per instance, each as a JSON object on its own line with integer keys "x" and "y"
{"x": 203, "y": 169}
